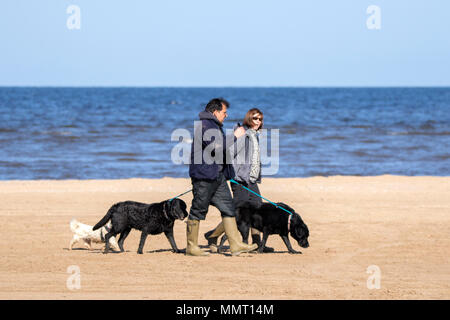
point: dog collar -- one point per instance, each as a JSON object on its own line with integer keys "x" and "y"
{"x": 289, "y": 222}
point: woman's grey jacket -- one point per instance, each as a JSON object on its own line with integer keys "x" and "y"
{"x": 244, "y": 150}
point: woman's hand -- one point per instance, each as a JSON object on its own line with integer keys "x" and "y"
{"x": 239, "y": 132}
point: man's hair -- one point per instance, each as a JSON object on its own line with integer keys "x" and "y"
{"x": 216, "y": 105}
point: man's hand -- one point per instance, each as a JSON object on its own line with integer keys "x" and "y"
{"x": 239, "y": 132}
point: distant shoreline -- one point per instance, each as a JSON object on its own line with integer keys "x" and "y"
{"x": 188, "y": 178}
{"x": 227, "y": 87}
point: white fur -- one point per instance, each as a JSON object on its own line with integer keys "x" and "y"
{"x": 84, "y": 232}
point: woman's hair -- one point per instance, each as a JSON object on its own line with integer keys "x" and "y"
{"x": 248, "y": 121}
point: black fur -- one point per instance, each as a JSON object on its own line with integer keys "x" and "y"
{"x": 149, "y": 218}
{"x": 272, "y": 220}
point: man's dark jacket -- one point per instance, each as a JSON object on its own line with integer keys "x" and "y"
{"x": 204, "y": 171}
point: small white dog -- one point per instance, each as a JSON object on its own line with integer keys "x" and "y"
{"x": 84, "y": 232}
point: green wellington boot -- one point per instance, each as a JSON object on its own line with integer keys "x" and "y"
{"x": 236, "y": 245}
{"x": 213, "y": 235}
{"x": 192, "y": 248}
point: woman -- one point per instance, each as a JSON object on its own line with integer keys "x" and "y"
{"x": 247, "y": 168}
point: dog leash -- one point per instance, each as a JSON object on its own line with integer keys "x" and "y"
{"x": 180, "y": 194}
{"x": 234, "y": 181}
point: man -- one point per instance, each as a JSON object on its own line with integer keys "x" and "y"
{"x": 209, "y": 172}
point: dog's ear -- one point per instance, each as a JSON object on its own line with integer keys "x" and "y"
{"x": 178, "y": 210}
{"x": 170, "y": 208}
{"x": 184, "y": 209}
{"x": 183, "y": 206}
{"x": 166, "y": 209}
{"x": 285, "y": 206}
{"x": 301, "y": 229}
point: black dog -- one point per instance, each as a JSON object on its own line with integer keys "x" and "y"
{"x": 149, "y": 218}
{"x": 272, "y": 220}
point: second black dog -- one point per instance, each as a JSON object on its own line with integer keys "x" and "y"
{"x": 272, "y": 220}
{"x": 149, "y": 218}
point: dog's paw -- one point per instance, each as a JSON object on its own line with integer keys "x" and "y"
{"x": 139, "y": 252}
{"x": 295, "y": 252}
{"x": 269, "y": 250}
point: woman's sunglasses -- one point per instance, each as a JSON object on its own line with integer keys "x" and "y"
{"x": 257, "y": 118}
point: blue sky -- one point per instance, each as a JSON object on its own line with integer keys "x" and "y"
{"x": 225, "y": 43}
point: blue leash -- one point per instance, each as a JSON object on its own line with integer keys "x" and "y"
{"x": 180, "y": 195}
{"x": 234, "y": 181}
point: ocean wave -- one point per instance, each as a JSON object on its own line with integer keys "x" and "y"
{"x": 417, "y": 147}
{"x": 290, "y": 131}
{"x": 360, "y": 153}
{"x": 118, "y": 154}
{"x": 418, "y": 133}
{"x": 370, "y": 141}
{"x": 439, "y": 157}
{"x": 7, "y": 130}
{"x": 428, "y": 125}
{"x": 333, "y": 138}
{"x": 56, "y": 133}
{"x": 131, "y": 159}
{"x": 129, "y": 125}
{"x": 12, "y": 164}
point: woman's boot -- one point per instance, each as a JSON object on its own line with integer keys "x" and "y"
{"x": 213, "y": 235}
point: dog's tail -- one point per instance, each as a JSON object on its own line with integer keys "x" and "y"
{"x": 73, "y": 224}
{"x": 105, "y": 219}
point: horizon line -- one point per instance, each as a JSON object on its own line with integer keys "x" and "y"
{"x": 225, "y": 87}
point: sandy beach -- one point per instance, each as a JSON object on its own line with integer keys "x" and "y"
{"x": 399, "y": 224}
